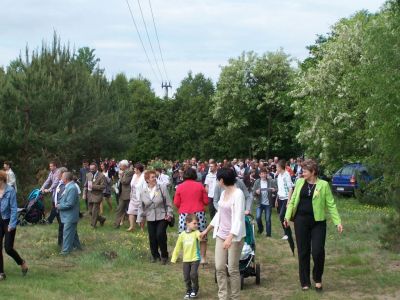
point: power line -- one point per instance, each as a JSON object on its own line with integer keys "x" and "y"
{"x": 141, "y": 41}
{"x": 148, "y": 38}
{"x": 158, "y": 41}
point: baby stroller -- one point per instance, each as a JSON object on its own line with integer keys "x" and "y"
{"x": 247, "y": 263}
{"x": 33, "y": 211}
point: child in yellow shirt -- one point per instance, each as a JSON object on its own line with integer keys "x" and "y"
{"x": 189, "y": 242}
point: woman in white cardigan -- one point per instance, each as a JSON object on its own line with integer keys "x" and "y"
{"x": 229, "y": 231}
{"x": 137, "y": 185}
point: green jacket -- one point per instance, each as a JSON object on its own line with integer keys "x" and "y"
{"x": 322, "y": 200}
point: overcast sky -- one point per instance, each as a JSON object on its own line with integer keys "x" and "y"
{"x": 196, "y": 35}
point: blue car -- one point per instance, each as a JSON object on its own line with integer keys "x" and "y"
{"x": 345, "y": 180}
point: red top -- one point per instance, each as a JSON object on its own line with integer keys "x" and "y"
{"x": 291, "y": 173}
{"x": 190, "y": 197}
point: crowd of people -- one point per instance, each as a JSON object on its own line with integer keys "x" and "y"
{"x": 146, "y": 197}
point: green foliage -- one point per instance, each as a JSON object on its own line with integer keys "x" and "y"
{"x": 332, "y": 125}
{"x": 373, "y": 193}
{"x": 55, "y": 109}
{"x": 348, "y": 102}
{"x": 252, "y": 106}
{"x": 87, "y": 58}
{"x": 390, "y": 238}
{"x": 193, "y": 127}
{"x": 175, "y": 128}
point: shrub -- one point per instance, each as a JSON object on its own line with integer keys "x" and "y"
{"x": 374, "y": 192}
{"x": 390, "y": 239}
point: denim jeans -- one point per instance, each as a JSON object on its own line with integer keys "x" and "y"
{"x": 266, "y": 209}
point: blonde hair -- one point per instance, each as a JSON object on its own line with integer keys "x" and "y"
{"x": 310, "y": 165}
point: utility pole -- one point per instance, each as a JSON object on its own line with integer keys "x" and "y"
{"x": 166, "y": 86}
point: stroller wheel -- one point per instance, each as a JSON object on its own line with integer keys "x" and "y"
{"x": 258, "y": 274}
{"x": 241, "y": 282}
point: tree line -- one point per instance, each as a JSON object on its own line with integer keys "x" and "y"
{"x": 339, "y": 105}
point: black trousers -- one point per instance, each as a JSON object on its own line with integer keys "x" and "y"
{"x": 60, "y": 233}
{"x": 55, "y": 214}
{"x": 211, "y": 207}
{"x": 191, "y": 275}
{"x": 158, "y": 238}
{"x": 310, "y": 238}
{"x": 8, "y": 244}
{"x": 282, "y": 211}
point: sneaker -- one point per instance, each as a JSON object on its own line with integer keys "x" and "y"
{"x": 285, "y": 237}
{"x": 193, "y": 294}
{"x": 187, "y": 296}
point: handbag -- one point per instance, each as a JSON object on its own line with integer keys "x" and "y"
{"x": 170, "y": 220}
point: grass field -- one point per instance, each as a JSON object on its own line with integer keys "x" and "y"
{"x": 356, "y": 267}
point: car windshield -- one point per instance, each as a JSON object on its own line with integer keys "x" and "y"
{"x": 347, "y": 170}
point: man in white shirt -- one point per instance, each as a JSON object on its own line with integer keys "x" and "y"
{"x": 11, "y": 180}
{"x": 162, "y": 179}
{"x": 235, "y": 165}
{"x": 210, "y": 184}
{"x": 285, "y": 189}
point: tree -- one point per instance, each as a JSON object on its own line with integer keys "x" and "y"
{"x": 55, "y": 109}
{"x": 86, "y": 57}
{"x": 192, "y": 126}
{"x": 332, "y": 124}
{"x": 253, "y": 107}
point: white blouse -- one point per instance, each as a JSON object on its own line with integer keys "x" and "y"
{"x": 238, "y": 228}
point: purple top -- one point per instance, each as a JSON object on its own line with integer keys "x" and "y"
{"x": 51, "y": 182}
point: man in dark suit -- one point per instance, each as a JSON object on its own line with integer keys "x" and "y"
{"x": 125, "y": 175}
{"x": 93, "y": 192}
{"x": 69, "y": 213}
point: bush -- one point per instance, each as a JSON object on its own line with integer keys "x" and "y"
{"x": 390, "y": 239}
{"x": 373, "y": 193}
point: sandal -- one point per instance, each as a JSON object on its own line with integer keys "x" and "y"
{"x": 203, "y": 263}
{"x": 318, "y": 288}
{"x": 24, "y": 270}
{"x": 2, "y": 276}
{"x": 305, "y": 288}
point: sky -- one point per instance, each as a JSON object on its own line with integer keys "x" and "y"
{"x": 194, "y": 35}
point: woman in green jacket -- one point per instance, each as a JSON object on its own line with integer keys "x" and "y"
{"x": 310, "y": 199}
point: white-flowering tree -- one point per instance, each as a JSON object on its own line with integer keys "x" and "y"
{"x": 332, "y": 125}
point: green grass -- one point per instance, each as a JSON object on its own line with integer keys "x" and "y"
{"x": 356, "y": 267}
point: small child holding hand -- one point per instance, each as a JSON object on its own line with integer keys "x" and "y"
{"x": 189, "y": 242}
